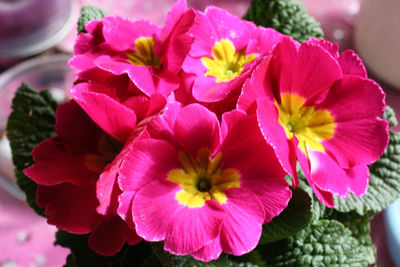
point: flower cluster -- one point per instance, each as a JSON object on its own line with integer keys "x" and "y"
{"x": 184, "y": 134}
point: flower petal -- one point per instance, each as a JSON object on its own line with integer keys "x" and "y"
{"x": 114, "y": 118}
{"x": 352, "y": 64}
{"x": 70, "y": 208}
{"x": 274, "y": 134}
{"x": 109, "y": 237}
{"x": 242, "y": 226}
{"x": 329, "y": 176}
{"x": 197, "y": 127}
{"x": 209, "y": 252}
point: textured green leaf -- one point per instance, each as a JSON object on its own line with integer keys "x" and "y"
{"x": 286, "y": 16}
{"x": 89, "y": 13}
{"x": 294, "y": 218}
{"x": 169, "y": 260}
{"x": 384, "y": 184}
{"x": 390, "y": 116}
{"x": 31, "y": 121}
{"x": 360, "y": 229}
{"x": 82, "y": 256}
{"x": 323, "y": 243}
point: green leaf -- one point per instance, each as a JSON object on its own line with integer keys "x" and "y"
{"x": 390, "y": 116}
{"x": 384, "y": 184}
{"x": 169, "y": 260}
{"x": 82, "y": 256}
{"x": 323, "y": 243}
{"x": 360, "y": 229}
{"x": 286, "y": 16}
{"x": 294, "y": 218}
{"x": 89, "y": 13}
{"x": 31, "y": 121}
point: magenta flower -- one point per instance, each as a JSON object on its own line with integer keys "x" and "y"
{"x": 319, "y": 107}
{"x": 224, "y": 52}
{"x": 67, "y": 168}
{"x": 200, "y": 187}
{"x": 149, "y": 55}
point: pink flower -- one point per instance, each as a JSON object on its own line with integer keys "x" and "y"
{"x": 200, "y": 187}
{"x": 319, "y": 107}
{"x": 151, "y": 56}
{"x": 224, "y": 52}
{"x": 67, "y": 168}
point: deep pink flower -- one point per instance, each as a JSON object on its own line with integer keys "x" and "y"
{"x": 200, "y": 187}
{"x": 319, "y": 107}
{"x": 224, "y": 52}
{"x": 151, "y": 56}
{"x": 67, "y": 168}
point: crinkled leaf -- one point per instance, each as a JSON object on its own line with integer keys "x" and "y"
{"x": 360, "y": 229}
{"x": 390, "y": 116}
{"x": 384, "y": 184}
{"x": 294, "y": 218}
{"x": 82, "y": 256}
{"x": 286, "y": 16}
{"x": 31, "y": 121}
{"x": 89, "y": 13}
{"x": 169, "y": 260}
{"x": 323, "y": 243}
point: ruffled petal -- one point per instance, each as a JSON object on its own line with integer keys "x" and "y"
{"x": 114, "y": 118}
{"x": 70, "y": 208}
{"x": 243, "y": 221}
{"x": 352, "y": 64}
{"x": 274, "y": 134}
{"x": 197, "y": 127}
{"x": 55, "y": 166}
{"x": 144, "y": 163}
{"x": 121, "y": 33}
{"x": 329, "y": 176}
{"x": 109, "y": 237}
{"x": 209, "y": 252}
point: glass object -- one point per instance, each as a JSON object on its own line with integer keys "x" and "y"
{"x": 47, "y": 72}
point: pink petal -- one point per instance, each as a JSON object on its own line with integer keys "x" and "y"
{"x": 55, "y": 166}
{"x": 263, "y": 40}
{"x": 114, "y": 118}
{"x": 121, "y": 33}
{"x": 206, "y": 89}
{"x": 352, "y": 64}
{"x": 360, "y": 99}
{"x": 175, "y": 42}
{"x": 255, "y": 87}
{"x": 242, "y": 226}
{"x": 329, "y": 176}
{"x": 324, "y": 196}
{"x": 107, "y": 189}
{"x": 309, "y": 72}
{"x": 209, "y": 252}
{"x": 142, "y": 76}
{"x": 216, "y": 24}
{"x": 197, "y": 127}
{"x": 145, "y": 163}
{"x": 358, "y": 142}
{"x": 332, "y": 48}
{"x": 109, "y": 237}
{"x": 85, "y": 42}
{"x": 160, "y": 216}
{"x": 70, "y": 208}
{"x": 274, "y": 134}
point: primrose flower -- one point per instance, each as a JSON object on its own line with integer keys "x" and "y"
{"x": 319, "y": 107}
{"x": 149, "y": 55}
{"x": 224, "y": 52}
{"x": 67, "y": 168}
{"x": 200, "y": 187}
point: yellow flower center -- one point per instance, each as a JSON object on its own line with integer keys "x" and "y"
{"x": 311, "y": 126}
{"x": 226, "y": 64}
{"x": 202, "y": 179}
{"x": 144, "y": 54}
